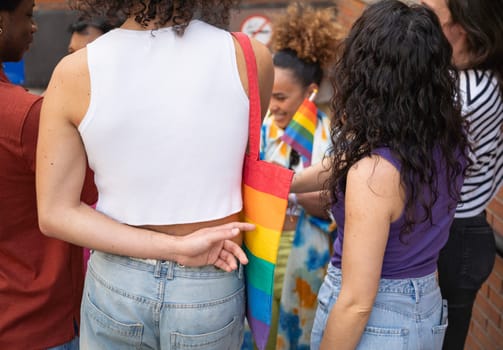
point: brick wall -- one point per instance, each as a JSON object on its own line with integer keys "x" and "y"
{"x": 486, "y": 328}
{"x": 51, "y": 4}
{"x": 495, "y": 213}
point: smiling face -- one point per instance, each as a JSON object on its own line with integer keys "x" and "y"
{"x": 454, "y": 33}
{"x": 287, "y": 96}
{"x": 17, "y": 31}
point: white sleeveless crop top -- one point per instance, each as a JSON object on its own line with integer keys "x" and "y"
{"x": 167, "y": 125}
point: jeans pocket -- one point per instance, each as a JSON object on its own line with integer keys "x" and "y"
{"x": 384, "y": 338}
{"x": 112, "y": 332}
{"x": 226, "y": 338}
{"x": 438, "y": 332}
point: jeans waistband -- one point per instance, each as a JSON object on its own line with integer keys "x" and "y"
{"x": 166, "y": 267}
{"x": 409, "y": 286}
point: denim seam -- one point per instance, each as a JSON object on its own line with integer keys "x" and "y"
{"x": 140, "y": 300}
{"x": 206, "y": 304}
{"x": 228, "y": 328}
{"x": 418, "y": 317}
{"x": 134, "y": 329}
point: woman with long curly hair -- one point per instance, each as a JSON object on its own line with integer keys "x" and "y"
{"x": 159, "y": 108}
{"x": 304, "y": 44}
{"x": 399, "y": 156}
{"x": 474, "y": 29}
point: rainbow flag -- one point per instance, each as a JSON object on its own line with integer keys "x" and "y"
{"x": 265, "y": 193}
{"x": 299, "y": 133}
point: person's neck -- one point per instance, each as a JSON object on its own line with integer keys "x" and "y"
{"x": 131, "y": 24}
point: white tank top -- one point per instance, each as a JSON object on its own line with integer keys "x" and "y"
{"x": 167, "y": 125}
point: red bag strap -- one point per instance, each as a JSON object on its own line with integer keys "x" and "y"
{"x": 253, "y": 93}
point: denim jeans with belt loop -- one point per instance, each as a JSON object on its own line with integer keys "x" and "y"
{"x": 152, "y": 304}
{"x": 407, "y": 313}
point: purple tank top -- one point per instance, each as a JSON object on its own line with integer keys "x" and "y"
{"x": 417, "y": 255}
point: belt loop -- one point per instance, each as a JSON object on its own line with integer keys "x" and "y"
{"x": 415, "y": 285}
{"x": 240, "y": 271}
{"x": 158, "y": 269}
{"x": 444, "y": 312}
{"x": 171, "y": 269}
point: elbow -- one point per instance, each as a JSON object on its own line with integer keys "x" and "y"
{"x": 360, "y": 307}
{"x": 45, "y": 227}
{"x": 362, "y": 310}
{"x": 46, "y": 223}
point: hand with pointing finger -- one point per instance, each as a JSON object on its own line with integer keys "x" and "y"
{"x": 213, "y": 246}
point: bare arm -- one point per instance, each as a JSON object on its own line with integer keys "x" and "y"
{"x": 60, "y": 171}
{"x": 373, "y": 200}
{"x": 265, "y": 74}
{"x": 265, "y": 70}
{"x": 314, "y": 203}
{"x": 311, "y": 179}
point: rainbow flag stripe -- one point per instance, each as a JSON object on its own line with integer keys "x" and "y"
{"x": 265, "y": 206}
{"x": 299, "y": 133}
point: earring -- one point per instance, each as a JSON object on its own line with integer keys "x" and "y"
{"x": 1, "y": 31}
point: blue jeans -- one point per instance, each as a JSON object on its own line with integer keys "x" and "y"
{"x": 132, "y": 304}
{"x": 71, "y": 345}
{"x": 407, "y": 313}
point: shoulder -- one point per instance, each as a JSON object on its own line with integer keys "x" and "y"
{"x": 68, "y": 92}
{"x": 73, "y": 66}
{"x": 16, "y": 105}
{"x": 261, "y": 51}
{"x": 477, "y": 87}
{"x": 376, "y": 173}
{"x": 15, "y": 95}
{"x": 264, "y": 63}
{"x": 373, "y": 165}
{"x": 373, "y": 183}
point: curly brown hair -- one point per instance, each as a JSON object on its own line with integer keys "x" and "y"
{"x": 160, "y": 12}
{"x": 313, "y": 34}
{"x": 394, "y": 87}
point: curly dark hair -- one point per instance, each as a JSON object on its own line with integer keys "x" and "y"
{"x": 482, "y": 21}
{"x": 159, "y": 12}
{"x": 395, "y": 86}
{"x": 304, "y": 40}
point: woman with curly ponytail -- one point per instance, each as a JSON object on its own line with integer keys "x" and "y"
{"x": 304, "y": 44}
{"x": 159, "y": 108}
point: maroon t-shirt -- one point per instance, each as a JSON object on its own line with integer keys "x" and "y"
{"x": 41, "y": 278}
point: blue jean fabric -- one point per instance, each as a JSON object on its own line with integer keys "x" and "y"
{"x": 407, "y": 313}
{"x": 132, "y": 304}
{"x": 71, "y": 345}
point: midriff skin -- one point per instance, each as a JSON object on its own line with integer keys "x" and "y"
{"x": 185, "y": 229}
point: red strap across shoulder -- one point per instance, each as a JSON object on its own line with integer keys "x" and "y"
{"x": 253, "y": 93}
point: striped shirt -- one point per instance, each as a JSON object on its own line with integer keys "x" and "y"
{"x": 483, "y": 106}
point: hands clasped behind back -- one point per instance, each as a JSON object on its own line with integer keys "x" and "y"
{"x": 213, "y": 246}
